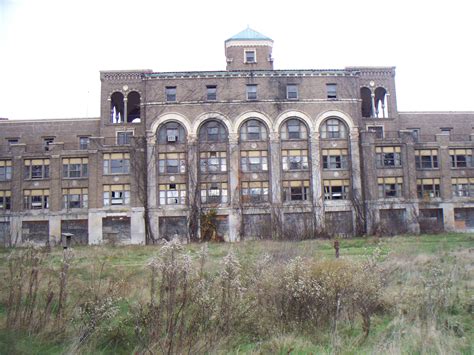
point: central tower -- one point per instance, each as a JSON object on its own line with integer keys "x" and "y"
{"x": 249, "y": 50}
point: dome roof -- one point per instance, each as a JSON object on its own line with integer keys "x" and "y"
{"x": 249, "y": 35}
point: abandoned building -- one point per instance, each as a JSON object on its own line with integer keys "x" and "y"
{"x": 271, "y": 151}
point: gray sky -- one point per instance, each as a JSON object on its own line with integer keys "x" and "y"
{"x": 52, "y": 50}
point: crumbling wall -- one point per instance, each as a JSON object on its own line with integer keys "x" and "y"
{"x": 339, "y": 223}
{"x": 431, "y": 220}
{"x": 172, "y": 227}
{"x": 393, "y": 221}
{"x": 298, "y": 226}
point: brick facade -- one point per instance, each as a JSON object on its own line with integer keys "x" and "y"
{"x": 271, "y": 151}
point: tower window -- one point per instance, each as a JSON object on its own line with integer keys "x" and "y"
{"x": 170, "y": 93}
{"x": 331, "y": 90}
{"x": 250, "y": 57}
{"x": 211, "y": 92}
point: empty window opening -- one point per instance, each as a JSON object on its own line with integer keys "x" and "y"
{"x": 381, "y": 110}
{"x": 84, "y": 143}
{"x": 47, "y": 142}
{"x": 366, "y": 97}
{"x": 117, "y": 111}
{"x": 133, "y": 107}
{"x": 378, "y": 130}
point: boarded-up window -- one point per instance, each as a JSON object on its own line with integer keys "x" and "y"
{"x": 339, "y": 223}
{"x": 116, "y": 229}
{"x": 257, "y": 226}
{"x": 173, "y": 227}
{"x": 35, "y": 231}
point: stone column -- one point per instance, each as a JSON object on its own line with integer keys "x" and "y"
{"x": 235, "y": 215}
{"x": 55, "y": 193}
{"x": 275, "y": 184}
{"x": 367, "y": 166}
{"x": 95, "y": 227}
{"x": 55, "y": 229}
{"x": 444, "y": 161}
{"x": 18, "y": 150}
{"x": 194, "y": 199}
{"x": 151, "y": 169}
{"x": 409, "y": 166}
{"x": 356, "y": 181}
{"x": 137, "y": 226}
{"x": 316, "y": 182}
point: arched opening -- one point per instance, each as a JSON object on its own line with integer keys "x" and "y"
{"x": 213, "y": 132}
{"x": 381, "y": 103}
{"x": 171, "y": 133}
{"x": 294, "y": 129}
{"x": 133, "y": 107}
{"x": 333, "y": 128}
{"x": 117, "y": 108}
{"x": 366, "y": 97}
{"x": 253, "y": 130}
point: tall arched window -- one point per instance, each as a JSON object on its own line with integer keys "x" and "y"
{"x": 294, "y": 129}
{"x": 133, "y": 107}
{"x": 171, "y": 133}
{"x": 381, "y": 103}
{"x": 117, "y": 113}
{"x": 212, "y": 131}
{"x": 366, "y": 97}
{"x": 333, "y": 128}
{"x": 253, "y": 130}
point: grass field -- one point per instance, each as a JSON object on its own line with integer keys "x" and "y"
{"x": 404, "y": 294}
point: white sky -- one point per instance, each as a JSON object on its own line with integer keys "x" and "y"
{"x": 51, "y": 51}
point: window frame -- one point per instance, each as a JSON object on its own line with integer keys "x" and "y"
{"x": 253, "y": 57}
{"x": 109, "y": 159}
{"x": 251, "y": 92}
{"x": 328, "y": 132}
{"x": 219, "y": 193}
{"x": 124, "y": 137}
{"x": 290, "y": 157}
{"x": 83, "y": 146}
{"x": 461, "y": 163}
{"x": 290, "y": 190}
{"x": 171, "y": 94}
{"x": 34, "y": 200}
{"x": 331, "y": 91}
{"x": 421, "y": 164}
{"x": 6, "y": 170}
{"x": 331, "y": 189}
{"x": 466, "y": 184}
{"x": 36, "y": 169}
{"x": 5, "y": 200}
{"x": 83, "y": 169}
{"x": 292, "y": 92}
{"x": 423, "y": 192}
{"x": 172, "y": 196}
{"x": 248, "y": 158}
{"x": 249, "y": 187}
{"x": 328, "y": 154}
{"x": 247, "y": 136}
{"x": 213, "y": 158}
{"x": 383, "y": 157}
{"x": 288, "y": 134}
{"x": 211, "y": 92}
{"x": 110, "y": 192}
{"x": 83, "y": 199}
{"x": 164, "y": 165}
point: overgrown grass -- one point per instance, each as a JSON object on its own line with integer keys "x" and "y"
{"x": 416, "y": 293}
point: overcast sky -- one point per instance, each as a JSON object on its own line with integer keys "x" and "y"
{"x": 51, "y": 51}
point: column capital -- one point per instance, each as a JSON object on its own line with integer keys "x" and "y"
{"x": 315, "y": 136}
{"x": 192, "y": 138}
{"x": 274, "y": 136}
{"x": 233, "y": 138}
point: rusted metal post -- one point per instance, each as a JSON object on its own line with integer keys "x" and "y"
{"x": 336, "y": 248}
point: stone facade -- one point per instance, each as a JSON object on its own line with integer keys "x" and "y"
{"x": 305, "y": 152}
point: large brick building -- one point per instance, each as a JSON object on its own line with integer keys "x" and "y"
{"x": 271, "y": 151}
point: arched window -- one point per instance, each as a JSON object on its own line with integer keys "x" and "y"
{"x": 295, "y": 129}
{"x": 381, "y": 103}
{"x": 117, "y": 114}
{"x": 133, "y": 107}
{"x": 366, "y": 97}
{"x": 333, "y": 128}
{"x": 212, "y": 131}
{"x": 171, "y": 133}
{"x": 253, "y": 130}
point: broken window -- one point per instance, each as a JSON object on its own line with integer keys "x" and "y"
{"x": 378, "y": 130}
{"x": 254, "y": 160}
{"x": 390, "y": 187}
{"x": 116, "y": 163}
{"x": 381, "y": 109}
{"x": 46, "y": 143}
{"x": 333, "y": 128}
{"x": 214, "y": 192}
{"x": 296, "y": 190}
{"x": 461, "y": 158}
{"x": 172, "y": 163}
{"x": 170, "y": 92}
{"x": 336, "y": 189}
{"x": 388, "y": 157}
{"x": 117, "y": 111}
{"x": 212, "y": 131}
{"x": 213, "y": 162}
{"x": 133, "y": 107}
{"x": 172, "y": 194}
{"x": 427, "y": 188}
{"x": 335, "y": 159}
{"x": 295, "y": 159}
{"x": 331, "y": 91}
{"x": 171, "y": 133}
{"x": 426, "y": 158}
{"x": 463, "y": 187}
{"x": 75, "y": 167}
{"x": 36, "y": 169}
{"x": 75, "y": 198}
{"x": 116, "y": 195}
{"x": 5, "y": 170}
{"x": 253, "y": 130}
{"x": 294, "y": 129}
{"x": 36, "y": 199}
{"x": 5, "y": 200}
{"x": 254, "y": 191}
{"x": 366, "y": 97}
